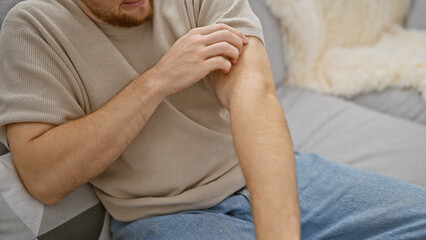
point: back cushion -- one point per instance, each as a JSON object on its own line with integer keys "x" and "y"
{"x": 417, "y": 17}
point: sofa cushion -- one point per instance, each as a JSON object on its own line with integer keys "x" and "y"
{"x": 402, "y": 103}
{"x": 417, "y": 17}
{"x": 345, "y": 132}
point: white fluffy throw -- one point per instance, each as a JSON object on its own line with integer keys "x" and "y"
{"x": 345, "y": 47}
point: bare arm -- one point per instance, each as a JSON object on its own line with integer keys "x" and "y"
{"x": 53, "y": 160}
{"x": 262, "y": 143}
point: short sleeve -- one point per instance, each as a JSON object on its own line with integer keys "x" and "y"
{"x": 235, "y": 13}
{"x": 36, "y": 84}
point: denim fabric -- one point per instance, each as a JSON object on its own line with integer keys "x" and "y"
{"x": 336, "y": 202}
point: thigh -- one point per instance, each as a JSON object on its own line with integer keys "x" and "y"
{"x": 342, "y": 202}
{"x": 230, "y": 219}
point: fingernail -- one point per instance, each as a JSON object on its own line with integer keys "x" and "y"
{"x": 246, "y": 39}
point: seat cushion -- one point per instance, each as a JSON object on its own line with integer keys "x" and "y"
{"x": 345, "y": 132}
{"x": 402, "y": 103}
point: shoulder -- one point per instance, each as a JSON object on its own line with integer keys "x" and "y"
{"x": 235, "y": 13}
{"x": 33, "y": 11}
{"x": 28, "y": 8}
{"x": 221, "y": 4}
{"x": 224, "y": 9}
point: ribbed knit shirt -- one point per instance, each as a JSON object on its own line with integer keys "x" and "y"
{"x": 58, "y": 65}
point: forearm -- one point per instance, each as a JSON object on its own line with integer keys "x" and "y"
{"x": 68, "y": 156}
{"x": 262, "y": 142}
{"x": 265, "y": 152}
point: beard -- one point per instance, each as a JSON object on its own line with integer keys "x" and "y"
{"x": 114, "y": 16}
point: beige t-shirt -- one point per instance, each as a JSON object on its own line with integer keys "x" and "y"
{"x": 58, "y": 65}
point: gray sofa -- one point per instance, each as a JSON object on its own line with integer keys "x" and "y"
{"x": 380, "y": 132}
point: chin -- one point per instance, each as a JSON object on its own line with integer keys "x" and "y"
{"x": 140, "y": 14}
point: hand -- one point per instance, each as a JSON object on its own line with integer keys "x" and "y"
{"x": 199, "y": 52}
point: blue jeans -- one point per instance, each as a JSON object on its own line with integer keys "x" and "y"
{"x": 336, "y": 202}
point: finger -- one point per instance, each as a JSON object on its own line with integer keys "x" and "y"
{"x": 218, "y": 63}
{"x": 225, "y": 36}
{"x": 222, "y": 49}
{"x": 220, "y": 26}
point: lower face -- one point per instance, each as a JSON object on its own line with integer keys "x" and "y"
{"x": 122, "y": 13}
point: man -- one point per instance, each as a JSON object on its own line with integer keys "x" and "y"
{"x": 169, "y": 110}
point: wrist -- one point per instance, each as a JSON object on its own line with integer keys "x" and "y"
{"x": 151, "y": 81}
{"x": 160, "y": 80}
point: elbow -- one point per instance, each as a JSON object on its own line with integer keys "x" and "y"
{"x": 39, "y": 182}
{"x": 43, "y": 192}
{"x": 50, "y": 201}
{"x": 38, "y": 173}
